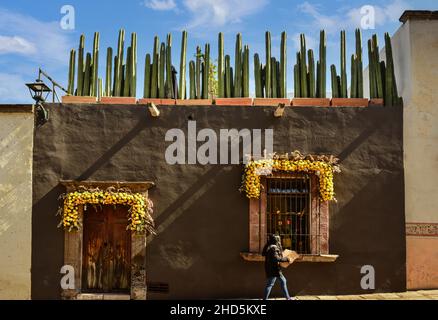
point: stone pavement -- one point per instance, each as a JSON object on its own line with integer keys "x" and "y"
{"x": 409, "y": 295}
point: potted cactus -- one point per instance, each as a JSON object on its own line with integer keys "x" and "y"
{"x": 310, "y": 84}
{"x": 271, "y": 79}
{"x": 235, "y": 90}
{"x": 339, "y": 83}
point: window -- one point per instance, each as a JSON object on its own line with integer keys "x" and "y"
{"x": 288, "y": 212}
{"x": 290, "y": 205}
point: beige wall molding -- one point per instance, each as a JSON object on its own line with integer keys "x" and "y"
{"x": 422, "y": 229}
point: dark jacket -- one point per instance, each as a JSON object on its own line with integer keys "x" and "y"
{"x": 273, "y": 256}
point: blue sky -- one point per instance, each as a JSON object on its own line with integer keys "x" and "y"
{"x": 31, "y": 35}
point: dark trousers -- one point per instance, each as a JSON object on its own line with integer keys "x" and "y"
{"x": 270, "y": 283}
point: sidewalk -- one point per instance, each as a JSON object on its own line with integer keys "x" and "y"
{"x": 409, "y": 295}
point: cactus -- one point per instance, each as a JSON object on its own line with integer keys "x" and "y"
{"x": 100, "y": 89}
{"x": 228, "y": 77}
{"x": 86, "y": 88}
{"x": 372, "y": 72}
{"x": 268, "y": 76}
{"x": 133, "y": 81}
{"x": 258, "y": 77}
{"x": 238, "y": 67}
{"x": 95, "y": 65}
{"x": 274, "y": 88}
{"x": 359, "y": 64}
{"x": 201, "y": 94}
{"x": 192, "y": 79}
{"x": 245, "y": 77}
{"x": 379, "y": 83}
{"x": 322, "y": 64}
{"x": 206, "y": 72}
{"x": 343, "y": 88}
{"x": 182, "y": 68}
{"x": 297, "y": 89}
{"x": 169, "y": 82}
{"x": 303, "y": 67}
{"x": 80, "y": 82}
{"x": 119, "y": 65}
{"x": 127, "y": 74}
{"x": 71, "y": 72}
{"x": 161, "y": 75}
{"x": 311, "y": 74}
{"x": 147, "y": 77}
{"x": 220, "y": 67}
{"x": 318, "y": 80}
{"x": 353, "y": 85}
{"x": 335, "y": 81}
{"x": 155, "y": 66}
{"x": 198, "y": 72}
{"x": 283, "y": 65}
{"x": 390, "y": 91}
{"x": 108, "y": 72}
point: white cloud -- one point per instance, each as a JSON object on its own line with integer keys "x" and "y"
{"x": 160, "y": 5}
{"x": 16, "y": 45}
{"x": 12, "y": 89}
{"x": 217, "y": 13}
{"x": 39, "y": 41}
{"x": 351, "y": 18}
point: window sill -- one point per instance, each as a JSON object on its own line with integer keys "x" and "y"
{"x": 257, "y": 257}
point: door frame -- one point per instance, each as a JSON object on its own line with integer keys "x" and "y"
{"x": 73, "y": 244}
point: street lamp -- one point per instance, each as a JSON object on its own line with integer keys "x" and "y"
{"x": 39, "y": 92}
{"x": 38, "y": 89}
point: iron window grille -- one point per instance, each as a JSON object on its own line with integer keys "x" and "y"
{"x": 288, "y": 213}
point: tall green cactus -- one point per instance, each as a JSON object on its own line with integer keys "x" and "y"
{"x": 108, "y": 72}
{"x": 95, "y": 65}
{"x": 274, "y": 84}
{"x": 155, "y": 68}
{"x": 297, "y": 81}
{"x": 198, "y": 72}
{"x": 220, "y": 67}
{"x": 206, "y": 77}
{"x": 322, "y": 74}
{"x": 335, "y": 82}
{"x": 359, "y": 66}
{"x": 80, "y": 82}
{"x": 192, "y": 79}
{"x": 238, "y": 67}
{"x": 245, "y": 73}
{"x": 161, "y": 76}
{"x": 133, "y": 81}
{"x": 258, "y": 76}
{"x": 87, "y": 73}
{"x": 303, "y": 67}
{"x": 126, "y": 84}
{"x": 343, "y": 88}
{"x": 311, "y": 74}
{"x": 228, "y": 78}
{"x": 169, "y": 80}
{"x": 390, "y": 87}
{"x": 182, "y": 68}
{"x": 283, "y": 65}
{"x": 268, "y": 75}
{"x": 119, "y": 65}
{"x": 71, "y": 72}
{"x": 147, "y": 77}
{"x": 354, "y": 77}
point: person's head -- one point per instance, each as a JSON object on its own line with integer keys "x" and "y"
{"x": 274, "y": 239}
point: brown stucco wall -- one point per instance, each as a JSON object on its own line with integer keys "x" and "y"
{"x": 201, "y": 217}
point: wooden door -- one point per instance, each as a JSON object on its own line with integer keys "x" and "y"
{"x": 106, "y": 258}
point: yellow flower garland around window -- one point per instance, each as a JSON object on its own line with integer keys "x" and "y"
{"x": 322, "y": 166}
{"x": 140, "y": 210}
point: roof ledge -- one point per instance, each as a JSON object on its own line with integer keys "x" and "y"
{"x": 418, "y": 15}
